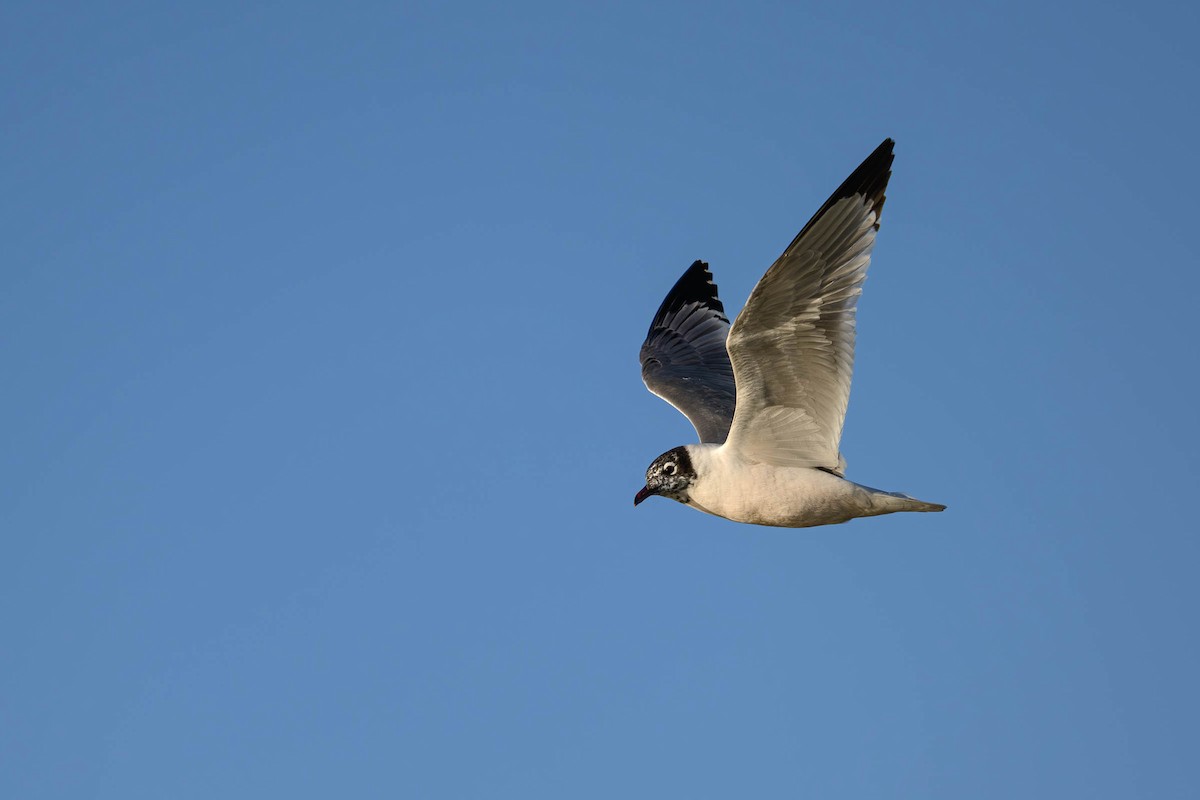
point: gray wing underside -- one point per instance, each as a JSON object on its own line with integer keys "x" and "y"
{"x": 684, "y": 360}
{"x": 792, "y": 347}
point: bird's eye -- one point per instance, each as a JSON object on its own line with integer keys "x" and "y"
{"x": 668, "y": 468}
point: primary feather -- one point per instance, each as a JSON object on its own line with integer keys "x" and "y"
{"x": 684, "y": 360}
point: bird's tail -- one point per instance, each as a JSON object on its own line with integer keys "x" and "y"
{"x": 894, "y": 501}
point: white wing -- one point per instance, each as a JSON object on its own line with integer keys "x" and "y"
{"x": 792, "y": 347}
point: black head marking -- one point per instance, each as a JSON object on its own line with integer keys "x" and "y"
{"x": 673, "y": 464}
{"x": 670, "y": 475}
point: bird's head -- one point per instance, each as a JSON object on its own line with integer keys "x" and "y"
{"x": 671, "y": 475}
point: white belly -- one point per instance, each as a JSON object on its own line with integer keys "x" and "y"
{"x": 787, "y": 497}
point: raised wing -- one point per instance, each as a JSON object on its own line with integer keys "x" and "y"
{"x": 684, "y": 360}
{"x": 792, "y": 347}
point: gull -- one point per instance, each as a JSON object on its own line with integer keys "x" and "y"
{"x": 767, "y": 395}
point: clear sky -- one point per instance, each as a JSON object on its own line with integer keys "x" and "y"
{"x": 323, "y": 419}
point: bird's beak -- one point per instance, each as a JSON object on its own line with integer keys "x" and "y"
{"x": 642, "y": 494}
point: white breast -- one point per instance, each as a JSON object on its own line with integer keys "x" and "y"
{"x": 762, "y": 494}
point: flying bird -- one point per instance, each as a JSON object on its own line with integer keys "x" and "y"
{"x": 768, "y": 394}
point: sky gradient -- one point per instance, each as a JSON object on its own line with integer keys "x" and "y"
{"x": 323, "y": 418}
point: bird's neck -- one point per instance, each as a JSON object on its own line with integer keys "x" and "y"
{"x": 704, "y": 458}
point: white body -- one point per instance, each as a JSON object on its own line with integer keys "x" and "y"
{"x": 791, "y": 497}
{"x": 769, "y": 392}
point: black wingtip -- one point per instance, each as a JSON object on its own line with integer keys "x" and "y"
{"x": 869, "y": 179}
{"x": 694, "y": 286}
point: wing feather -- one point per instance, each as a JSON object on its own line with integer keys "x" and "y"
{"x": 684, "y": 360}
{"x": 792, "y": 347}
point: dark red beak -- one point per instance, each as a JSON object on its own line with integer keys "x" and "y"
{"x": 642, "y": 494}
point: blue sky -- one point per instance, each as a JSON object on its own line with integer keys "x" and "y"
{"x": 319, "y": 329}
